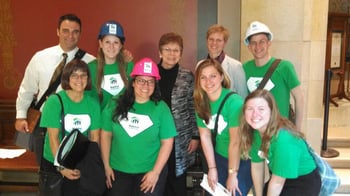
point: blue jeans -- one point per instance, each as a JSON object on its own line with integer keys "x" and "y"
{"x": 244, "y": 173}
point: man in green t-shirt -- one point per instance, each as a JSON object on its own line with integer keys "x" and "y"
{"x": 283, "y": 81}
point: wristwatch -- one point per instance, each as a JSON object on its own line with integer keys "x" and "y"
{"x": 231, "y": 171}
{"x": 60, "y": 168}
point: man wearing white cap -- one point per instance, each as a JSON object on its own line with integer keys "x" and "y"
{"x": 283, "y": 82}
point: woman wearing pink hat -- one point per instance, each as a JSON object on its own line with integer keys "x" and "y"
{"x": 137, "y": 136}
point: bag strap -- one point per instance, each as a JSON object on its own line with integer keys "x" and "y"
{"x": 219, "y": 111}
{"x": 62, "y": 115}
{"x": 79, "y": 54}
{"x": 62, "y": 124}
{"x": 269, "y": 73}
{"x": 53, "y": 87}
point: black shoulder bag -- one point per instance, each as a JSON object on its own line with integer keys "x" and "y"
{"x": 50, "y": 182}
{"x": 34, "y": 140}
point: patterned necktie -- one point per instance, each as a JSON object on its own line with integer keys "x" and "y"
{"x": 59, "y": 68}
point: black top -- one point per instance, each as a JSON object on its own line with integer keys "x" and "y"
{"x": 167, "y": 81}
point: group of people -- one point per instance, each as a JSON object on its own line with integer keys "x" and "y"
{"x": 149, "y": 119}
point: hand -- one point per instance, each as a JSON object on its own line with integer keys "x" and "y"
{"x": 212, "y": 178}
{"x": 21, "y": 125}
{"x": 149, "y": 181}
{"x": 192, "y": 146}
{"x": 127, "y": 55}
{"x": 109, "y": 176}
{"x": 71, "y": 174}
{"x": 232, "y": 184}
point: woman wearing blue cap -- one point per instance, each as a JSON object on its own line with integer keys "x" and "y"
{"x": 110, "y": 71}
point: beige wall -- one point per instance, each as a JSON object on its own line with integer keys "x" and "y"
{"x": 229, "y": 16}
{"x": 299, "y": 28}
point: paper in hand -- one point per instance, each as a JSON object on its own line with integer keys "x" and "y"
{"x": 219, "y": 189}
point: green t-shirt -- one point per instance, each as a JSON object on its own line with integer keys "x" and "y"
{"x": 288, "y": 156}
{"x": 136, "y": 142}
{"x": 112, "y": 83}
{"x": 229, "y": 118}
{"x": 84, "y": 116}
{"x": 282, "y": 81}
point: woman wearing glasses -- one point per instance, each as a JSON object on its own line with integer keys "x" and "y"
{"x": 137, "y": 136}
{"x": 176, "y": 86}
{"x": 80, "y": 112}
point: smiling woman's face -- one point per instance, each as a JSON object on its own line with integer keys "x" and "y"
{"x": 78, "y": 81}
{"x": 143, "y": 88}
{"x": 257, "y": 113}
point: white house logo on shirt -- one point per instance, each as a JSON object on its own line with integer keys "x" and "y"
{"x": 112, "y": 83}
{"x": 135, "y": 120}
{"x": 77, "y": 121}
{"x": 221, "y": 123}
{"x": 253, "y": 83}
{"x": 136, "y": 124}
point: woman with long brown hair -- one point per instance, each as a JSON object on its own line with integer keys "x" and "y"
{"x": 110, "y": 71}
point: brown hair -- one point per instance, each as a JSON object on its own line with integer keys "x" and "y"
{"x": 275, "y": 123}
{"x": 201, "y": 100}
{"x": 101, "y": 63}
{"x": 69, "y": 17}
{"x": 170, "y": 38}
{"x": 71, "y": 67}
{"x": 218, "y": 29}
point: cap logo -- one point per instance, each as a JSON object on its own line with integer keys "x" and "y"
{"x": 254, "y": 27}
{"x": 147, "y": 67}
{"x": 112, "y": 29}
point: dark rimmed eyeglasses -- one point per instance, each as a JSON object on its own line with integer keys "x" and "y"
{"x": 143, "y": 82}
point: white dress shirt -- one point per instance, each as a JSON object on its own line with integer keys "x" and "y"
{"x": 38, "y": 74}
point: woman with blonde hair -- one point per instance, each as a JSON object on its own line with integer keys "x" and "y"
{"x": 223, "y": 158}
